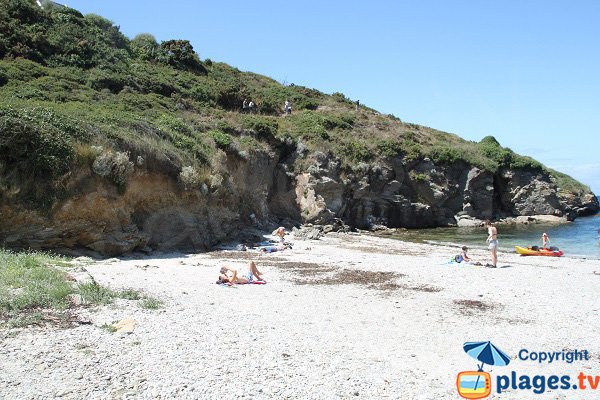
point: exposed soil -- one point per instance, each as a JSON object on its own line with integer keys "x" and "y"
{"x": 472, "y": 307}
{"x": 357, "y": 277}
{"x": 244, "y": 255}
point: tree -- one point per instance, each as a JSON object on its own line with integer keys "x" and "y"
{"x": 181, "y": 55}
{"x": 144, "y": 46}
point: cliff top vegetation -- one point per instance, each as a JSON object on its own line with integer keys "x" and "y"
{"x": 71, "y": 84}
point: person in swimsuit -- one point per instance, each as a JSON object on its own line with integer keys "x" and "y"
{"x": 545, "y": 240}
{"x": 492, "y": 241}
{"x": 229, "y": 276}
{"x": 280, "y": 233}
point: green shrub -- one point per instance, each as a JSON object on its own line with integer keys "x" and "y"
{"x": 341, "y": 97}
{"x": 418, "y": 176}
{"x": 445, "y": 155}
{"x": 3, "y": 77}
{"x": 171, "y": 123}
{"x": 37, "y": 141}
{"x": 389, "y": 148}
{"x": 144, "y": 46}
{"x": 23, "y": 70}
{"x": 263, "y": 126}
{"x": 223, "y": 140}
{"x": 411, "y": 150}
{"x": 356, "y": 151}
{"x": 181, "y": 55}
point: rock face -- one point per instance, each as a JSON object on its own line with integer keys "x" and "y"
{"x": 155, "y": 211}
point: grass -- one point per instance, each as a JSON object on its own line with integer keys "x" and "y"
{"x": 151, "y": 303}
{"x": 34, "y": 291}
{"x": 29, "y": 284}
{"x": 110, "y": 328}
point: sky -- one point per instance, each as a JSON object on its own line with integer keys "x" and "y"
{"x": 525, "y": 72}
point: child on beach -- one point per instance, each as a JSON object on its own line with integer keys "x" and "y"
{"x": 492, "y": 241}
{"x": 229, "y": 276}
{"x": 545, "y": 240}
{"x": 462, "y": 256}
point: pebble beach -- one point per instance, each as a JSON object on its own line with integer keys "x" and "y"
{"x": 346, "y": 316}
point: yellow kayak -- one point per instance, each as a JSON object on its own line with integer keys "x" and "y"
{"x": 528, "y": 251}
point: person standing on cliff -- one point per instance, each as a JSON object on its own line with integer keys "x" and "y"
{"x": 492, "y": 241}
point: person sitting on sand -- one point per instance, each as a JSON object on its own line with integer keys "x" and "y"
{"x": 228, "y": 275}
{"x": 545, "y": 240}
{"x": 280, "y": 233}
{"x": 462, "y": 256}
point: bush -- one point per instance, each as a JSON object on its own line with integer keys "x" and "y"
{"x": 223, "y": 140}
{"x": 144, "y": 46}
{"x": 418, "y": 177}
{"x": 389, "y": 148}
{"x": 23, "y": 70}
{"x": 356, "y": 151}
{"x": 3, "y": 78}
{"x": 411, "y": 150}
{"x": 445, "y": 155}
{"x": 115, "y": 166}
{"x": 180, "y": 54}
{"x": 190, "y": 178}
{"x": 263, "y": 126}
{"x": 37, "y": 141}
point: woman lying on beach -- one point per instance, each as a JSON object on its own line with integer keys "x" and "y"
{"x": 228, "y": 275}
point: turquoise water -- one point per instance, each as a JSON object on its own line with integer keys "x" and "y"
{"x": 579, "y": 238}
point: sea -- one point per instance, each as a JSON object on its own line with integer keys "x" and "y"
{"x": 579, "y": 239}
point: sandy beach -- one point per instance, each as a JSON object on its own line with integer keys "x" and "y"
{"x": 347, "y": 316}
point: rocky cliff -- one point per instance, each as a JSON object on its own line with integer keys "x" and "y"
{"x": 155, "y": 211}
{"x": 110, "y": 145}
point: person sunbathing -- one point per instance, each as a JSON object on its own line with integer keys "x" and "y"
{"x": 230, "y": 276}
{"x": 273, "y": 249}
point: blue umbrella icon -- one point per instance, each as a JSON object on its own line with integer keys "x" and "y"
{"x": 487, "y": 353}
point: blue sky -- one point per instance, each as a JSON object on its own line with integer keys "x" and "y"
{"x": 527, "y": 73}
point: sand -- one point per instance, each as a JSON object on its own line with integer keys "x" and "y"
{"x": 347, "y": 316}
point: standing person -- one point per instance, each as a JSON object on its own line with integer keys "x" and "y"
{"x": 251, "y": 106}
{"x": 287, "y": 108}
{"x": 357, "y": 104}
{"x": 492, "y": 241}
{"x": 545, "y": 240}
{"x": 245, "y": 106}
